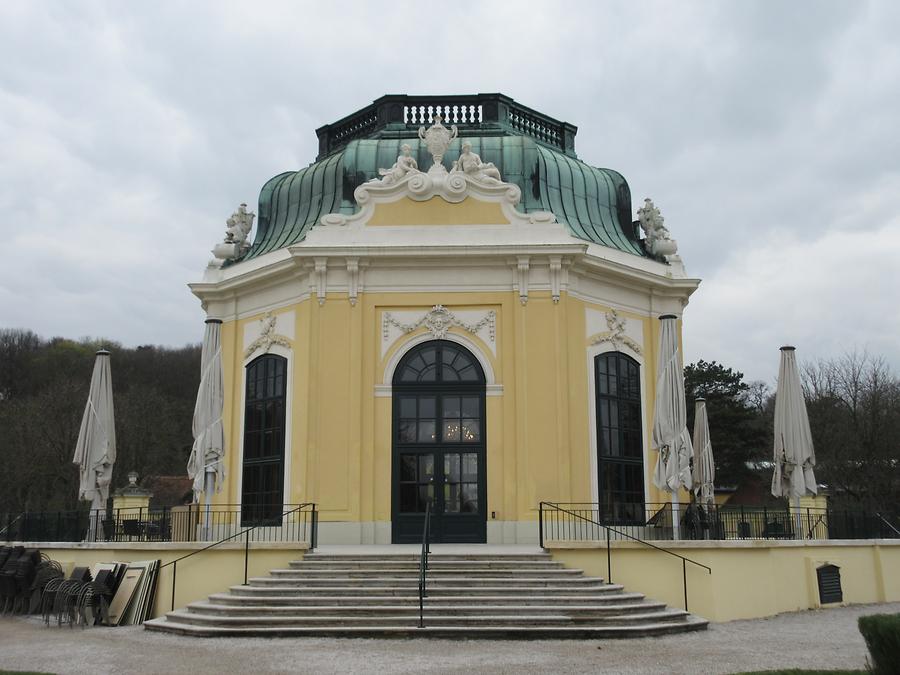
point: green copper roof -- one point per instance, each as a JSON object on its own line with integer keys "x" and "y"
{"x": 594, "y": 204}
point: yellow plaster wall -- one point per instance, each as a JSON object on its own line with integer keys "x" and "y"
{"x": 750, "y": 579}
{"x": 438, "y": 211}
{"x": 537, "y": 431}
{"x": 197, "y": 577}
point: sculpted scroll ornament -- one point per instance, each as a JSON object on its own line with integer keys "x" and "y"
{"x": 438, "y": 321}
{"x": 267, "y": 336}
{"x": 616, "y": 333}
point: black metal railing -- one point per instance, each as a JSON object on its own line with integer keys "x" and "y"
{"x": 195, "y": 522}
{"x": 474, "y": 113}
{"x": 423, "y": 562}
{"x": 547, "y": 509}
{"x": 656, "y": 521}
{"x": 304, "y": 510}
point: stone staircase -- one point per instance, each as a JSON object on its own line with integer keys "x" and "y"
{"x": 484, "y": 595}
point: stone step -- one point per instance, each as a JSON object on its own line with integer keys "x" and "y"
{"x": 431, "y": 609}
{"x": 440, "y": 557}
{"x": 432, "y": 572}
{"x": 432, "y": 565}
{"x": 452, "y": 632}
{"x": 522, "y": 618}
{"x": 273, "y": 600}
{"x": 436, "y": 581}
{"x": 468, "y": 596}
{"x": 413, "y": 590}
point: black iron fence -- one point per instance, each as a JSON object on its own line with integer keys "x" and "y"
{"x": 400, "y": 114}
{"x": 279, "y": 522}
{"x": 657, "y": 521}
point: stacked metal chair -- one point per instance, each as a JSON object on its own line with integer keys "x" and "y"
{"x": 78, "y": 600}
{"x": 8, "y": 570}
{"x": 23, "y": 575}
{"x": 47, "y": 570}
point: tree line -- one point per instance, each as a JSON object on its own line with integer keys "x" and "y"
{"x": 44, "y": 386}
{"x": 853, "y": 404}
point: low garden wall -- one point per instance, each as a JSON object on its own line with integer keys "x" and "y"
{"x": 750, "y": 579}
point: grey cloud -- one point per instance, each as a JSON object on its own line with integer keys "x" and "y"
{"x": 131, "y": 131}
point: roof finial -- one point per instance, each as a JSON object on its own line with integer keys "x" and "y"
{"x": 437, "y": 139}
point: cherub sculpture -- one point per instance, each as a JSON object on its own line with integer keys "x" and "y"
{"x": 238, "y": 227}
{"x": 405, "y": 165}
{"x": 656, "y": 236}
{"x": 470, "y": 164}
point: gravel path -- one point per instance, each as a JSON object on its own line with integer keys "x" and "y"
{"x": 815, "y": 639}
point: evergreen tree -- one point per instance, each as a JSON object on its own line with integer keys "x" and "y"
{"x": 738, "y": 427}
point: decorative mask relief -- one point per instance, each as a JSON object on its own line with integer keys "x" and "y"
{"x": 267, "y": 335}
{"x": 438, "y": 322}
{"x": 617, "y": 331}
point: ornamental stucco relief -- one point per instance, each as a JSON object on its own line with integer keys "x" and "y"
{"x": 438, "y": 321}
{"x": 267, "y": 333}
{"x": 620, "y": 331}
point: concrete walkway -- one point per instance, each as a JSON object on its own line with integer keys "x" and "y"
{"x": 817, "y": 639}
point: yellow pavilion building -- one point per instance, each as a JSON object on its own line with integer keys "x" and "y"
{"x": 446, "y": 308}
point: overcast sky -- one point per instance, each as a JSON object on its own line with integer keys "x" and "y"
{"x": 768, "y": 133}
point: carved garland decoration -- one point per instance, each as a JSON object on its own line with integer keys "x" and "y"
{"x": 267, "y": 336}
{"x": 438, "y": 321}
{"x": 616, "y": 333}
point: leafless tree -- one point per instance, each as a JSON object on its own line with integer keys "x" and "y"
{"x": 854, "y": 409}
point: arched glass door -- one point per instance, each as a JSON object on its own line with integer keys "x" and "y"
{"x": 439, "y": 445}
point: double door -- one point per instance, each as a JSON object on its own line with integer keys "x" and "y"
{"x": 439, "y": 459}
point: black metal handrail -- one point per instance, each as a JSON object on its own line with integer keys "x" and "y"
{"x": 423, "y": 562}
{"x": 609, "y": 530}
{"x": 888, "y": 523}
{"x": 313, "y": 540}
{"x": 10, "y": 522}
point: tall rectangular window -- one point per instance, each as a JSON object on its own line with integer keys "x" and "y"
{"x": 620, "y": 456}
{"x": 264, "y": 424}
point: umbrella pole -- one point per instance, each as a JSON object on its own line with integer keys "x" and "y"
{"x": 676, "y": 534}
{"x": 798, "y": 521}
{"x": 207, "y": 498}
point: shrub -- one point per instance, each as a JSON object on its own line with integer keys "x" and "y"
{"x": 882, "y": 635}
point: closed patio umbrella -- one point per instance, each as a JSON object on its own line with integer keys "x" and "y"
{"x": 704, "y": 469}
{"x": 794, "y": 456}
{"x": 95, "y": 451}
{"x": 670, "y": 435}
{"x": 205, "y": 465}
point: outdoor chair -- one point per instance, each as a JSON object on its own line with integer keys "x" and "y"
{"x": 23, "y": 578}
{"x": 776, "y": 529}
{"x": 8, "y": 579}
{"x": 47, "y": 570}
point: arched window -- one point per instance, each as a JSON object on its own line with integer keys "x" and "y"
{"x": 264, "y": 425}
{"x": 438, "y": 361}
{"x": 620, "y": 448}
